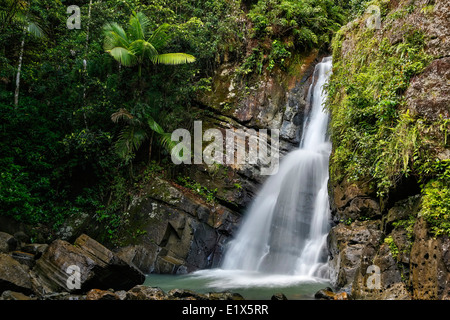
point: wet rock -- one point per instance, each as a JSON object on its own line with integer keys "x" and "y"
{"x": 387, "y": 286}
{"x": 348, "y": 247}
{"x": 182, "y": 232}
{"x": 179, "y": 294}
{"x": 63, "y": 296}
{"x": 13, "y": 275}
{"x": 341, "y": 296}
{"x": 25, "y": 258}
{"x": 278, "y": 296}
{"x": 325, "y": 294}
{"x": 224, "y": 296}
{"x": 17, "y": 296}
{"x": 141, "y": 292}
{"x": 7, "y": 242}
{"x": 98, "y": 268}
{"x": 96, "y": 294}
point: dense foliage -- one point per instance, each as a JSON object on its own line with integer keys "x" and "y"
{"x": 376, "y": 137}
{"x": 78, "y": 118}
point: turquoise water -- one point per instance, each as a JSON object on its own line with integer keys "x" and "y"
{"x": 251, "y": 285}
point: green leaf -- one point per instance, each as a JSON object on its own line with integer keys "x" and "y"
{"x": 173, "y": 58}
{"x": 124, "y": 56}
{"x": 143, "y": 48}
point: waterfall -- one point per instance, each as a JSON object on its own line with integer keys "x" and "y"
{"x": 284, "y": 231}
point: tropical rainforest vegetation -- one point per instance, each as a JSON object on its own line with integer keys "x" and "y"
{"x": 86, "y": 112}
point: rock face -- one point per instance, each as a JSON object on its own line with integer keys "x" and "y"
{"x": 430, "y": 265}
{"x": 182, "y": 231}
{"x": 382, "y": 249}
{"x": 350, "y": 249}
{"x": 13, "y": 275}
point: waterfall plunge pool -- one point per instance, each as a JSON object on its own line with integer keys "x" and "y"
{"x": 250, "y": 284}
{"x": 285, "y": 229}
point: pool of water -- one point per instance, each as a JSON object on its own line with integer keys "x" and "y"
{"x": 251, "y": 285}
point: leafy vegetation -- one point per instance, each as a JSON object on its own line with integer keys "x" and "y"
{"x": 90, "y": 120}
{"x": 376, "y": 137}
{"x": 436, "y": 207}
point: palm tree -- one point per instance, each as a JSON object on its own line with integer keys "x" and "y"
{"x": 17, "y": 12}
{"x": 133, "y": 47}
{"x": 138, "y": 125}
{"x": 130, "y": 48}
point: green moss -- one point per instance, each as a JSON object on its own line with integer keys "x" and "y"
{"x": 374, "y": 136}
{"x": 392, "y": 246}
{"x": 436, "y": 207}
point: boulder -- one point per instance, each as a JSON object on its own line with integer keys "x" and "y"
{"x": 179, "y": 294}
{"x": 13, "y": 275}
{"x": 7, "y": 242}
{"x": 325, "y": 294}
{"x": 96, "y": 294}
{"x": 25, "y": 258}
{"x": 278, "y": 296}
{"x": 349, "y": 247}
{"x": 142, "y": 292}
{"x": 85, "y": 265}
{"x": 17, "y": 296}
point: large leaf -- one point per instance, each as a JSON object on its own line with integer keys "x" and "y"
{"x": 130, "y": 140}
{"x": 138, "y": 26}
{"x": 36, "y": 30}
{"x": 160, "y": 37}
{"x": 124, "y": 56}
{"x": 173, "y": 58}
{"x": 154, "y": 125}
{"x": 141, "y": 48}
{"x": 115, "y": 36}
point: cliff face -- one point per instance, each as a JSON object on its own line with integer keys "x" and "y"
{"x": 390, "y": 104}
{"x": 184, "y": 227}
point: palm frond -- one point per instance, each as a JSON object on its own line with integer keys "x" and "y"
{"x": 143, "y": 48}
{"x": 160, "y": 38}
{"x": 122, "y": 114}
{"x": 138, "y": 26}
{"x": 115, "y": 36}
{"x": 130, "y": 140}
{"x": 173, "y": 58}
{"x": 35, "y": 29}
{"x": 124, "y": 56}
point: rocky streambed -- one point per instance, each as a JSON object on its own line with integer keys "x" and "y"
{"x": 83, "y": 270}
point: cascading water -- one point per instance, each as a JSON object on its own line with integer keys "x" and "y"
{"x": 285, "y": 230}
{"x": 281, "y": 243}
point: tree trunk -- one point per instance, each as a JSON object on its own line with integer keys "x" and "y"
{"x": 85, "y": 65}
{"x": 19, "y": 69}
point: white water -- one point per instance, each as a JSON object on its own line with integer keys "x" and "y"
{"x": 285, "y": 229}
{"x": 282, "y": 239}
